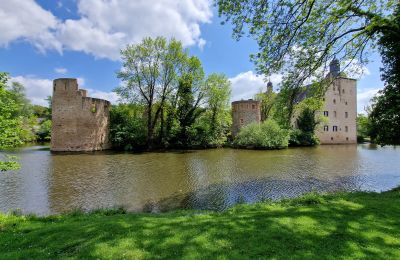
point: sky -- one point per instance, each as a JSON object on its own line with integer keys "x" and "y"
{"x": 47, "y": 39}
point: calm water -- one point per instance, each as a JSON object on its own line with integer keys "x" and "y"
{"x": 208, "y": 179}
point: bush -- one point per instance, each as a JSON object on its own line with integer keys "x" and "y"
{"x": 267, "y": 135}
{"x": 301, "y": 138}
{"x": 43, "y": 134}
{"x": 127, "y": 127}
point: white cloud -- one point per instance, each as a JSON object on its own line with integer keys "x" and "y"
{"x": 246, "y": 84}
{"x": 110, "y": 96}
{"x": 364, "y": 97}
{"x": 61, "y": 70}
{"x": 38, "y": 89}
{"x": 104, "y": 27}
{"x": 28, "y": 21}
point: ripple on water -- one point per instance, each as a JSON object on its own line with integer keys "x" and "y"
{"x": 207, "y": 179}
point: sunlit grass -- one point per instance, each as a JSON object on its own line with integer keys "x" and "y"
{"x": 345, "y": 225}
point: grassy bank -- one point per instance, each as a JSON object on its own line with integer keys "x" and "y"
{"x": 351, "y": 225}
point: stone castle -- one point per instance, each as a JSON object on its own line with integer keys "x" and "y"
{"x": 79, "y": 123}
{"x": 340, "y": 109}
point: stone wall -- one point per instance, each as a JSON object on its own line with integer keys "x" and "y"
{"x": 79, "y": 123}
{"x": 341, "y": 112}
{"x": 244, "y": 112}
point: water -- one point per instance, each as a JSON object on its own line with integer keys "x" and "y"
{"x": 207, "y": 179}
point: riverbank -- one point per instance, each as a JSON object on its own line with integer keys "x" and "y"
{"x": 351, "y": 225}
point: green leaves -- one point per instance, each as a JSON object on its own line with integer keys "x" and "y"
{"x": 267, "y": 135}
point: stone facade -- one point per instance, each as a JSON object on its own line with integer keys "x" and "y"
{"x": 79, "y": 123}
{"x": 244, "y": 112}
{"x": 341, "y": 112}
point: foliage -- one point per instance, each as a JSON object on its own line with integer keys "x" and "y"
{"x": 9, "y": 124}
{"x": 363, "y": 127}
{"x": 301, "y": 37}
{"x": 266, "y": 135}
{"x": 43, "y": 134}
{"x": 127, "y": 127}
{"x": 385, "y": 109}
{"x": 267, "y": 100}
{"x": 180, "y": 106}
{"x": 149, "y": 74}
{"x": 9, "y": 163}
{"x": 335, "y": 226}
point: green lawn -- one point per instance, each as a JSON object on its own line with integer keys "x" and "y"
{"x": 346, "y": 225}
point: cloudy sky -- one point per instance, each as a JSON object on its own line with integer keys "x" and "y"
{"x": 46, "y": 39}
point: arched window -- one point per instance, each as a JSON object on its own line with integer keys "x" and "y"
{"x": 334, "y": 101}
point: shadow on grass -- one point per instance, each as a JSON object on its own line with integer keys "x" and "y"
{"x": 354, "y": 225}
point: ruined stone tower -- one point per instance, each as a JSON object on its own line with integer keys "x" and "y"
{"x": 79, "y": 123}
{"x": 244, "y": 112}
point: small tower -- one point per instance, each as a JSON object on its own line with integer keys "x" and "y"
{"x": 334, "y": 68}
{"x": 269, "y": 87}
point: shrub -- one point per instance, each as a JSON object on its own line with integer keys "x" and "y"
{"x": 267, "y": 135}
{"x": 127, "y": 128}
{"x": 43, "y": 134}
{"x": 300, "y": 138}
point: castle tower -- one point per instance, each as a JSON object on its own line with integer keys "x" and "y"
{"x": 269, "y": 87}
{"x": 340, "y": 109}
{"x": 244, "y": 112}
{"x": 79, "y": 123}
{"x": 334, "y": 68}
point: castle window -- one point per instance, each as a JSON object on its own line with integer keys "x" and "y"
{"x": 346, "y": 114}
{"x": 253, "y": 106}
{"x": 331, "y": 138}
{"x": 343, "y": 91}
{"x": 346, "y": 103}
{"x": 334, "y": 128}
{"x": 334, "y": 101}
{"x": 346, "y": 128}
{"x": 241, "y": 121}
{"x": 347, "y": 139}
{"x": 326, "y": 113}
{"x": 334, "y": 113}
{"x": 326, "y": 128}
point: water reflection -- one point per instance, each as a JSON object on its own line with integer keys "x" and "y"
{"x": 211, "y": 179}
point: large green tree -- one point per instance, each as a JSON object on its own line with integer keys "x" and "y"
{"x": 149, "y": 75}
{"x": 9, "y": 123}
{"x": 384, "y": 116}
{"x": 302, "y": 36}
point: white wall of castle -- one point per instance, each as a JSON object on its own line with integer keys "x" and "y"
{"x": 340, "y": 110}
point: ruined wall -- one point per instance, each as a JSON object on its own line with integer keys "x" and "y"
{"x": 79, "y": 123}
{"x": 341, "y": 110}
{"x": 244, "y": 112}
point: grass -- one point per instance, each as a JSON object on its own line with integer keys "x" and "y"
{"x": 345, "y": 225}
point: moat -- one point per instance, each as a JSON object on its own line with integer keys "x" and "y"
{"x": 206, "y": 179}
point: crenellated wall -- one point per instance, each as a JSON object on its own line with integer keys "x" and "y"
{"x": 79, "y": 123}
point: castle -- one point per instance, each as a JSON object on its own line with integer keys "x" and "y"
{"x": 340, "y": 109}
{"x": 79, "y": 123}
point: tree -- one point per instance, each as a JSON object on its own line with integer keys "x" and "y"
{"x": 385, "y": 109}
{"x": 363, "y": 127}
{"x": 9, "y": 124}
{"x": 218, "y": 91}
{"x": 302, "y": 36}
{"x": 184, "y": 104}
{"x": 267, "y": 100}
{"x": 149, "y": 74}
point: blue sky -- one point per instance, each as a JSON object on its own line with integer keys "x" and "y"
{"x": 45, "y": 39}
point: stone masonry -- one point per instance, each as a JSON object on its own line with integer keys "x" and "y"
{"x": 244, "y": 112}
{"x": 341, "y": 113}
{"x": 79, "y": 123}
